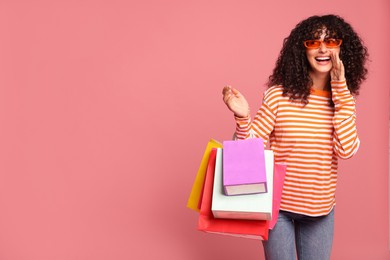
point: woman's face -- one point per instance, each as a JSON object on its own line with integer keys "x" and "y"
{"x": 319, "y": 58}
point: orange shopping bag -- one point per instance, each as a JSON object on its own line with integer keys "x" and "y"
{"x": 197, "y": 188}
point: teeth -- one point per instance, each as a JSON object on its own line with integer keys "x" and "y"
{"x": 323, "y": 58}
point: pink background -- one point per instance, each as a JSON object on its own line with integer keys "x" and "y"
{"x": 106, "y": 108}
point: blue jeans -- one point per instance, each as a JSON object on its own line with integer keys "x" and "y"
{"x": 309, "y": 238}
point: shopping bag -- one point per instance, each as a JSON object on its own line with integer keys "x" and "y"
{"x": 256, "y": 229}
{"x": 279, "y": 175}
{"x": 196, "y": 192}
{"x": 244, "y": 167}
{"x": 249, "y": 206}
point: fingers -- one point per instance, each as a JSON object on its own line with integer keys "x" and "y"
{"x": 231, "y": 96}
{"x": 333, "y": 57}
{"x": 227, "y": 93}
{"x": 230, "y": 89}
{"x": 226, "y": 89}
{"x": 235, "y": 91}
{"x": 336, "y": 61}
{"x": 337, "y": 72}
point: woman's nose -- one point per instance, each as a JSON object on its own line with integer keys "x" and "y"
{"x": 323, "y": 48}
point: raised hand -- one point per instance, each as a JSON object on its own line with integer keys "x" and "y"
{"x": 235, "y": 101}
{"x": 337, "y": 73}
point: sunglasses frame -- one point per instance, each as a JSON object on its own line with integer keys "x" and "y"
{"x": 323, "y": 41}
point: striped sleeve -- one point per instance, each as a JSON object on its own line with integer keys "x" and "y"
{"x": 264, "y": 121}
{"x": 346, "y": 140}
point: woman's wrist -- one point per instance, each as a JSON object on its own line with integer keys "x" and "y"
{"x": 241, "y": 116}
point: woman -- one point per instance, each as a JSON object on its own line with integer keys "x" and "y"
{"x": 308, "y": 117}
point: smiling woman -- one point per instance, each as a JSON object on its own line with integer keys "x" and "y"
{"x": 322, "y": 59}
{"x": 308, "y": 117}
{"x": 323, "y": 55}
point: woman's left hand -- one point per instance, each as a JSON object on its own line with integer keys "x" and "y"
{"x": 337, "y": 71}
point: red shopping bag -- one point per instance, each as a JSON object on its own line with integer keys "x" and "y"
{"x": 256, "y": 229}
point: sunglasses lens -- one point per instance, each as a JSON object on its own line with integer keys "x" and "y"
{"x": 332, "y": 43}
{"x": 312, "y": 44}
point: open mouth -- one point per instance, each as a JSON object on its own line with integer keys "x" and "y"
{"x": 322, "y": 59}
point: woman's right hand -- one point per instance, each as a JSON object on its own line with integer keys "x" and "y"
{"x": 235, "y": 101}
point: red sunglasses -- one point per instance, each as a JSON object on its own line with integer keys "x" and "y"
{"x": 329, "y": 43}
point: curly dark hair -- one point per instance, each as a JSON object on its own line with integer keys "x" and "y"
{"x": 292, "y": 67}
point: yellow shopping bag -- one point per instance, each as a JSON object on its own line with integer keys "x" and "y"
{"x": 197, "y": 187}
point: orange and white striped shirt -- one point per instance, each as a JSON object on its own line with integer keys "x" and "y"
{"x": 308, "y": 139}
